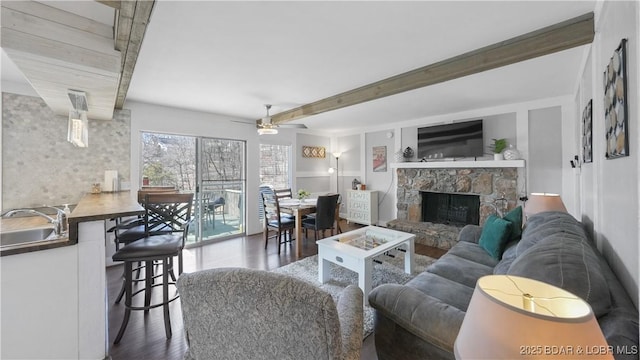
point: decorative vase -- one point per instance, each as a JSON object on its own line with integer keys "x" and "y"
{"x": 511, "y": 153}
{"x": 408, "y": 154}
{"x": 498, "y": 156}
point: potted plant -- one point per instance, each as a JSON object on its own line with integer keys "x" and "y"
{"x": 497, "y": 147}
{"x": 303, "y": 194}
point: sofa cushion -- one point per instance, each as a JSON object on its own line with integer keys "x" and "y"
{"x": 508, "y": 256}
{"x": 515, "y": 218}
{"x": 544, "y": 224}
{"x": 473, "y": 252}
{"x": 461, "y": 270}
{"x": 448, "y": 291}
{"x": 495, "y": 234}
{"x": 562, "y": 258}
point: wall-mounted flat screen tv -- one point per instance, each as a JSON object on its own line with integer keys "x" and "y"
{"x": 463, "y": 139}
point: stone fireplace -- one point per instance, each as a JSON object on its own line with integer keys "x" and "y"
{"x": 494, "y": 187}
{"x": 451, "y": 209}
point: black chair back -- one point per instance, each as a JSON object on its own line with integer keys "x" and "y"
{"x": 326, "y": 211}
{"x": 167, "y": 213}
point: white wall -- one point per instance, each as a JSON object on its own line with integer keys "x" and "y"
{"x": 610, "y": 188}
{"x": 545, "y": 150}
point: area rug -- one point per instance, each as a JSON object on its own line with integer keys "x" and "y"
{"x": 391, "y": 271}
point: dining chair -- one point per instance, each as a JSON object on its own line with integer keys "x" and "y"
{"x": 280, "y": 194}
{"x": 274, "y": 220}
{"x": 325, "y": 216}
{"x": 283, "y": 193}
{"x": 167, "y": 218}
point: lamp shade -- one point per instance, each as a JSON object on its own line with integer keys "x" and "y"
{"x": 539, "y": 202}
{"x": 511, "y": 317}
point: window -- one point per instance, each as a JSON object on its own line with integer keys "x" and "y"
{"x": 275, "y": 166}
{"x": 169, "y": 160}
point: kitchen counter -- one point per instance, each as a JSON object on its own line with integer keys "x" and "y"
{"x": 91, "y": 207}
{"x": 102, "y": 206}
{"x": 72, "y": 280}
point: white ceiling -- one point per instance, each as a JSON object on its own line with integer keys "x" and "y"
{"x": 233, "y": 57}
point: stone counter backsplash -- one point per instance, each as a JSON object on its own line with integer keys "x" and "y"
{"x": 40, "y": 167}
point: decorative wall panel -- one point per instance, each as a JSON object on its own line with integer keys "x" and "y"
{"x": 40, "y": 167}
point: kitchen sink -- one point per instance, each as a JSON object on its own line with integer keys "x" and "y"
{"x": 25, "y": 236}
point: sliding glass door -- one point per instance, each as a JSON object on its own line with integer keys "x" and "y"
{"x": 221, "y": 187}
{"x": 213, "y": 169}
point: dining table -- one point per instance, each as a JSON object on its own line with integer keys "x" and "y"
{"x": 298, "y": 208}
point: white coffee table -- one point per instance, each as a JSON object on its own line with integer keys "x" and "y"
{"x": 356, "y": 249}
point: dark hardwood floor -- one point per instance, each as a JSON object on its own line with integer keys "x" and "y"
{"x": 145, "y": 337}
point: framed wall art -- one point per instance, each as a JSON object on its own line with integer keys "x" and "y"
{"x": 379, "y": 158}
{"x": 615, "y": 104}
{"x": 587, "y": 137}
{"x": 313, "y": 152}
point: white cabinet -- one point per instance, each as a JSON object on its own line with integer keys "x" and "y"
{"x": 362, "y": 206}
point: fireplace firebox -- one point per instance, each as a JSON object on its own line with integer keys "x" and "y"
{"x": 451, "y": 209}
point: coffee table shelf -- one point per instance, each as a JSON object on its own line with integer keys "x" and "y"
{"x": 356, "y": 249}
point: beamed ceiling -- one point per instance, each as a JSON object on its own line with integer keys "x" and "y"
{"x": 333, "y": 66}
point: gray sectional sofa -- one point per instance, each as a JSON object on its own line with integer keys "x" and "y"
{"x": 421, "y": 319}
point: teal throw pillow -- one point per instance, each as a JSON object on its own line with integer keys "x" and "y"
{"x": 495, "y": 235}
{"x": 515, "y": 218}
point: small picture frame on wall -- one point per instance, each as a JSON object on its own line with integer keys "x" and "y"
{"x": 313, "y": 152}
{"x": 587, "y": 137}
{"x": 379, "y": 159}
{"x": 615, "y": 104}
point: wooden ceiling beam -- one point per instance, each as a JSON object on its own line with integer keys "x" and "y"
{"x": 562, "y": 36}
{"x": 132, "y": 20}
{"x": 111, "y": 3}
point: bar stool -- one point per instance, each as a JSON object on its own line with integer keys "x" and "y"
{"x": 174, "y": 210}
{"x": 128, "y": 231}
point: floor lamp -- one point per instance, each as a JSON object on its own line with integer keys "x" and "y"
{"x": 337, "y": 156}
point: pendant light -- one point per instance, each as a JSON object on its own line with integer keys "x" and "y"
{"x": 266, "y": 127}
{"x": 78, "y": 127}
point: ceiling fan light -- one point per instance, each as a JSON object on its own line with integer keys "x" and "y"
{"x": 267, "y": 131}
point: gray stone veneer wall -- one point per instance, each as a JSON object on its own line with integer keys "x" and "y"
{"x": 40, "y": 167}
{"x": 488, "y": 183}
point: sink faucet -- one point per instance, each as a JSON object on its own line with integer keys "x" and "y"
{"x": 59, "y": 223}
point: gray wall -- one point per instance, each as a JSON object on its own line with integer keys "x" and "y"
{"x": 349, "y": 166}
{"x": 40, "y": 167}
{"x": 501, "y": 126}
{"x": 493, "y": 127}
{"x": 312, "y": 174}
{"x": 545, "y": 151}
{"x": 382, "y": 181}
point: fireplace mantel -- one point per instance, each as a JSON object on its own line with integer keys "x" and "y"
{"x": 459, "y": 164}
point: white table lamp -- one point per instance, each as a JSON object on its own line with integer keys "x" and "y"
{"x": 539, "y": 202}
{"x": 511, "y": 317}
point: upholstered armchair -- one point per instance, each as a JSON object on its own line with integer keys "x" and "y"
{"x": 237, "y": 313}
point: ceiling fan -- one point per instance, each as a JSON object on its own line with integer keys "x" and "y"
{"x": 266, "y": 127}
